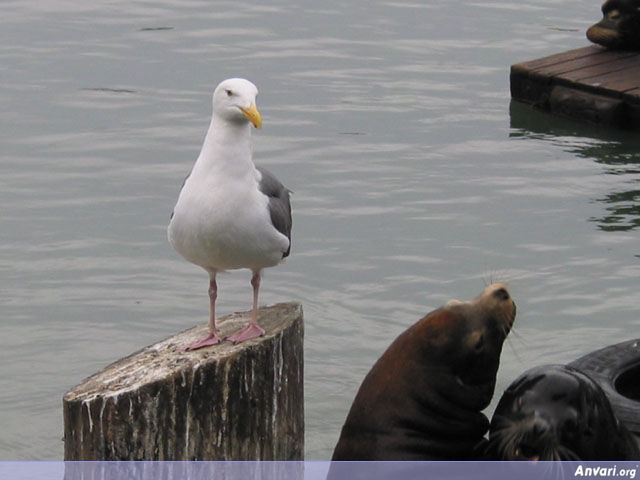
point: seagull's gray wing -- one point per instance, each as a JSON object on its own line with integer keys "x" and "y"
{"x": 279, "y": 204}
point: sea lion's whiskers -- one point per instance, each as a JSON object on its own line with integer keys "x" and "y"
{"x": 507, "y": 325}
{"x": 553, "y": 469}
{"x": 513, "y": 350}
{"x": 565, "y": 453}
{"x": 510, "y": 342}
{"x": 497, "y": 276}
{"x": 505, "y": 438}
{"x": 515, "y": 333}
{"x": 559, "y": 414}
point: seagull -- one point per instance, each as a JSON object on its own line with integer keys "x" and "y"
{"x": 231, "y": 214}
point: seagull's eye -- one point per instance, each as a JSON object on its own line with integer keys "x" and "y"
{"x": 229, "y": 93}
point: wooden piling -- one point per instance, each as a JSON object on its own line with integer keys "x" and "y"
{"x": 226, "y": 402}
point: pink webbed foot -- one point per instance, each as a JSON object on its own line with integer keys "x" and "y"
{"x": 253, "y": 330}
{"x": 209, "y": 340}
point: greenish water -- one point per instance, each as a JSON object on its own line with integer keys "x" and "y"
{"x": 416, "y": 180}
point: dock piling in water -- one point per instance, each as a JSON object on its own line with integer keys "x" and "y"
{"x": 591, "y": 84}
{"x": 227, "y": 402}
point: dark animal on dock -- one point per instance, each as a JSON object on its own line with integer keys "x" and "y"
{"x": 619, "y": 27}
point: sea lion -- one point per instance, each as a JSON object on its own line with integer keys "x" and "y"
{"x": 422, "y": 399}
{"x": 619, "y": 27}
{"x": 555, "y": 412}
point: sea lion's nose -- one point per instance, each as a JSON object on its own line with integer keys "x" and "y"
{"x": 539, "y": 426}
{"x": 501, "y": 294}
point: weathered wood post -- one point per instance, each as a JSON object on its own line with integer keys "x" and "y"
{"x": 227, "y": 402}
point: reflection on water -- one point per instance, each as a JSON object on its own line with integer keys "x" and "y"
{"x": 619, "y": 151}
{"x": 624, "y": 211}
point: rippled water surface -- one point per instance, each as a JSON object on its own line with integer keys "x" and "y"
{"x": 415, "y": 179}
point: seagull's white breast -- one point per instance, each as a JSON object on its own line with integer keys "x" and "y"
{"x": 225, "y": 224}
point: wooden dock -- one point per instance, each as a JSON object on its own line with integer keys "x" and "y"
{"x": 590, "y": 83}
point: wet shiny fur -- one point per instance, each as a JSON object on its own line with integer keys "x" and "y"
{"x": 619, "y": 27}
{"x": 423, "y": 398}
{"x": 555, "y": 412}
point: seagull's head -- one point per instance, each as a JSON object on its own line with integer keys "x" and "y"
{"x": 235, "y": 101}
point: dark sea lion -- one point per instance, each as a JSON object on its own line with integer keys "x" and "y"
{"x": 422, "y": 400}
{"x": 619, "y": 27}
{"x": 555, "y": 412}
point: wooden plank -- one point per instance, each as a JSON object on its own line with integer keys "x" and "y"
{"x": 592, "y": 64}
{"x": 620, "y": 80}
{"x": 602, "y": 69}
{"x": 561, "y": 57}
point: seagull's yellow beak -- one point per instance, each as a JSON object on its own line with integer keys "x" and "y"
{"x": 253, "y": 115}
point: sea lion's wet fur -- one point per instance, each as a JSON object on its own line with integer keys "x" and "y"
{"x": 423, "y": 398}
{"x": 555, "y": 412}
{"x": 619, "y": 27}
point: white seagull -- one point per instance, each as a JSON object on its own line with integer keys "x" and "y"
{"x": 231, "y": 214}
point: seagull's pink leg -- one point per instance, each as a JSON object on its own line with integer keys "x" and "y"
{"x": 212, "y": 338}
{"x": 252, "y": 330}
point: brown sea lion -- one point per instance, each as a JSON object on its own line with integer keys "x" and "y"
{"x": 422, "y": 400}
{"x": 619, "y": 27}
{"x": 555, "y": 412}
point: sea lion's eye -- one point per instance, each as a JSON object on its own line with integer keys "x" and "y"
{"x": 501, "y": 294}
{"x": 613, "y": 14}
{"x": 479, "y": 344}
